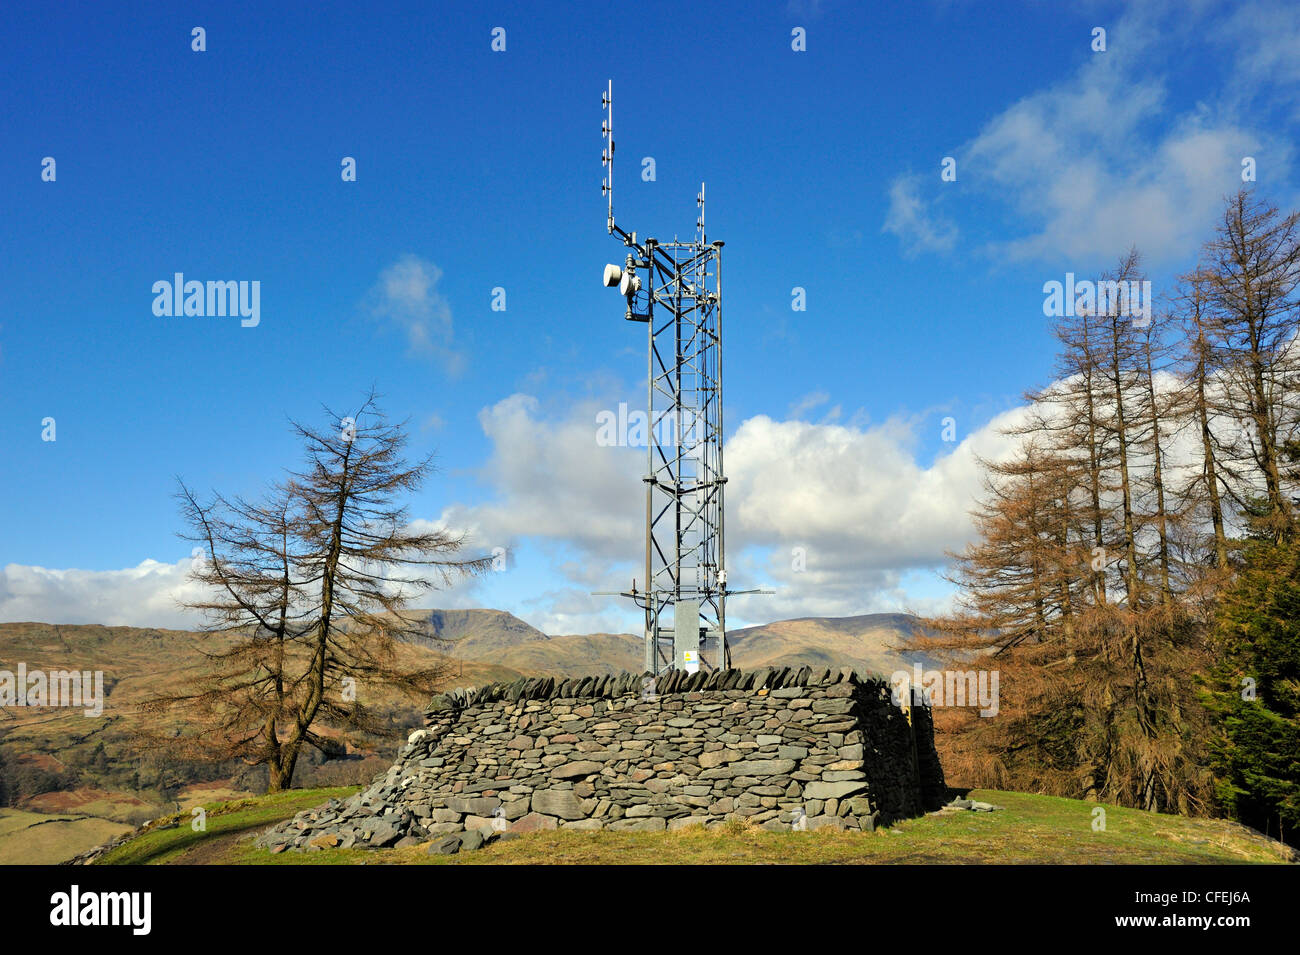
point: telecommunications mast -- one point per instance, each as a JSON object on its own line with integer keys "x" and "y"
{"x": 673, "y": 288}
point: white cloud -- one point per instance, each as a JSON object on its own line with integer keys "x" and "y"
{"x": 148, "y": 594}
{"x": 869, "y": 520}
{"x": 407, "y": 298}
{"x": 814, "y": 399}
{"x": 910, "y": 219}
{"x": 571, "y": 610}
{"x": 873, "y": 522}
{"x": 1101, "y": 161}
{"x": 1264, "y": 38}
{"x": 854, "y": 496}
{"x": 1091, "y": 181}
{"x": 552, "y": 481}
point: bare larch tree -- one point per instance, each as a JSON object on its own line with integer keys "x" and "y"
{"x": 308, "y": 588}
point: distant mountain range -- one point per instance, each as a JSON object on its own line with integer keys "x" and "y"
{"x": 484, "y": 645}
{"x": 503, "y": 640}
{"x": 874, "y": 642}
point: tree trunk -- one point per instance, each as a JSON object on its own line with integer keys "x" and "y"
{"x": 1162, "y": 525}
{"x": 1210, "y": 466}
{"x": 1122, "y": 438}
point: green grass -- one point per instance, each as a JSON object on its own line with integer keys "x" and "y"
{"x": 1029, "y": 829}
{"x": 226, "y": 822}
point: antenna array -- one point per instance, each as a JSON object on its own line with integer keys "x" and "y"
{"x": 674, "y": 288}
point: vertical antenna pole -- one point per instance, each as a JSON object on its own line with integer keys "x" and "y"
{"x": 723, "y": 661}
{"x": 653, "y": 603}
{"x": 607, "y": 156}
{"x": 699, "y": 222}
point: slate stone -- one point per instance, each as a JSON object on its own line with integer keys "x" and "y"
{"x": 835, "y": 790}
{"x": 385, "y": 835}
{"x": 832, "y": 706}
{"x": 860, "y": 806}
{"x": 437, "y": 828}
{"x": 576, "y": 769}
{"x": 824, "y": 822}
{"x": 563, "y": 803}
{"x": 717, "y": 757}
{"x": 534, "y": 822}
{"x": 647, "y": 824}
{"x": 584, "y": 825}
{"x": 475, "y": 805}
{"x": 762, "y": 767}
{"x": 447, "y": 846}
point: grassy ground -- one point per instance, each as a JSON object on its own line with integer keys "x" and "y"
{"x": 35, "y": 838}
{"x": 226, "y": 823}
{"x": 1029, "y": 829}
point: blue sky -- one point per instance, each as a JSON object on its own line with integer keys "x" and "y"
{"x": 479, "y": 169}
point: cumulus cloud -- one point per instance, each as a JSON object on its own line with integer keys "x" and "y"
{"x": 857, "y": 492}
{"x": 148, "y": 594}
{"x": 840, "y": 516}
{"x": 406, "y": 298}
{"x": 854, "y": 498}
{"x": 856, "y": 489}
{"x": 551, "y": 480}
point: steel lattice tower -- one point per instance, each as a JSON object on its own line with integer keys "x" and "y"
{"x": 674, "y": 289}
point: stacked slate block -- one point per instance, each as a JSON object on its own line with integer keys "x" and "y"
{"x": 627, "y": 752}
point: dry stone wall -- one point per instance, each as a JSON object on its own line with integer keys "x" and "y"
{"x": 624, "y": 752}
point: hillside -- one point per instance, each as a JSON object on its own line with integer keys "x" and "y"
{"x": 474, "y": 634}
{"x": 868, "y": 642}
{"x": 77, "y": 777}
{"x": 593, "y": 654}
{"x": 67, "y": 778}
{"x": 871, "y": 642}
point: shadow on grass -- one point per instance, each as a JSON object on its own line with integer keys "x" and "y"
{"x": 224, "y": 824}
